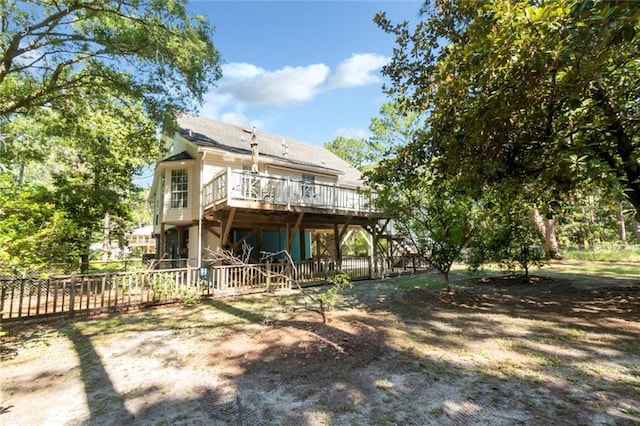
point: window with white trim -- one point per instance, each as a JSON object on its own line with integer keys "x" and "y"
{"x": 179, "y": 188}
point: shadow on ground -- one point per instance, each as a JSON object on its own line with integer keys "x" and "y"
{"x": 487, "y": 353}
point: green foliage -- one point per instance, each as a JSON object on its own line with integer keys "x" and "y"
{"x": 83, "y": 86}
{"x": 190, "y": 296}
{"x": 97, "y": 152}
{"x": 353, "y": 151}
{"x": 54, "y": 52}
{"x": 540, "y": 96}
{"x": 607, "y": 252}
{"x": 356, "y": 245}
{"x": 431, "y": 214}
{"x": 164, "y": 289}
{"x": 339, "y": 282}
{"x": 510, "y": 241}
{"x": 32, "y": 230}
{"x": 395, "y": 127}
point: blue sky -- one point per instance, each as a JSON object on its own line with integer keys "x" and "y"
{"x": 307, "y": 70}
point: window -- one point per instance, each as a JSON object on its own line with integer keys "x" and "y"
{"x": 179, "y": 188}
{"x": 308, "y": 185}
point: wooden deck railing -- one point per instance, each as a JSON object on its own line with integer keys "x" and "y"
{"x": 27, "y": 296}
{"x": 230, "y": 186}
{"x": 33, "y": 296}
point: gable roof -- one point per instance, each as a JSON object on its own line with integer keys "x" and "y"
{"x": 207, "y": 133}
{"x": 184, "y": 155}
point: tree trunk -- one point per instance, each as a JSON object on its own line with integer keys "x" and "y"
{"x": 636, "y": 230}
{"x": 106, "y": 236}
{"x": 586, "y": 240}
{"x": 621, "y": 224}
{"x": 546, "y": 227}
{"x": 446, "y": 279}
{"x": 84, "y": 263}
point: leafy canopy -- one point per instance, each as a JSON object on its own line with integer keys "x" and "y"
{"x": 528, "y": 94}
{"x": 83, "y": 85}
{"x": 152, "y": 51}
{"x": 434, "y": 218}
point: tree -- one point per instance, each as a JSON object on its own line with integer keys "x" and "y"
{"x": 99, "y": 146}
{"x": 32, "y": 230}
{"x": 432, "y": 215}
{"x": 83, "y": 85}
{"x": 154, "y": 52}
{"x": 517, "y": 90}
{"x": 396, "y": 126}
{"x": 111, "y": 144}
{"x": 353, "y": 151}
{"x": 505, "y": 236}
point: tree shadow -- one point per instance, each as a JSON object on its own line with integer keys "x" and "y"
{"x": 106, "y": 405}
{"x": 405, "y": 358}
{"x": 242, "y": 314}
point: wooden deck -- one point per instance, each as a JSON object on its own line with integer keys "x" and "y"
{"x": 234, "y": 189}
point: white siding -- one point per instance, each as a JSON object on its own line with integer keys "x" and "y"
{"x": 193, "y": 245}
{"x": 158, "y": 207}
{"x": 177, "y": 144}
{"x": 178, "y": 215}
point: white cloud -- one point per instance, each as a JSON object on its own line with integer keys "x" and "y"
{"x": 285, "y": 86}
{"x": 241, "y": 70}
{"x": 214, "y": 102}
{"x": 352, "y": 133}
{"x": 358, "y": 70}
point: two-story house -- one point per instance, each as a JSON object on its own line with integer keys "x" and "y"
{"x": 222, "y": 186}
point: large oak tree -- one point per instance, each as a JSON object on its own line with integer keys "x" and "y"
{"x": 83, "y": 86}
{"x": 154, "y": 51}
{"x": 539, "y": 95}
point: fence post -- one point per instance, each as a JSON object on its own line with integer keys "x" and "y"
{"x": 228, "y": 189}
{"x": 72, "y": 293}
{"x": 288, "y": 193}
{"x": 39, "y": 283}
{"x": 3, "y": 293}
{"x": 268, "y": 267}
{"x": 335, "y": 197}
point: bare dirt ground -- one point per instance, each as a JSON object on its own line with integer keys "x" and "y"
{"x": 498, "y": 351}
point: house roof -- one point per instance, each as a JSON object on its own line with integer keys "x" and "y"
{"x": 144, "y": 230}
{"x": 212, "y": 134}
{"x": 184, "y": 155}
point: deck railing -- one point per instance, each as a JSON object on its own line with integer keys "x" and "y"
{"x": 32, "y": 296}
{"x": 230, "y": 186}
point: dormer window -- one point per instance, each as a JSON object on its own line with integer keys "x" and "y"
{"x": 179, "y": 188}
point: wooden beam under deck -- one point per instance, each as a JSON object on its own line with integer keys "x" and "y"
{"x": 227, "y": 222}
{"x": 275, "y": 221}
{"x": 294, "y": 231}
{"x": 266, "y": 208}
{"x": 247, "y": 235}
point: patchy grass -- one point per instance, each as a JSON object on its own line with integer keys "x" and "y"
{"x": 629, "y": 253}
{"x": 596, "y": 268}
{"x": 431, "y": 280}
{"x": 559, "y": 350}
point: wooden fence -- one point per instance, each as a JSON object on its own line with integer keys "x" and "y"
{"x": 33, "y": 296}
